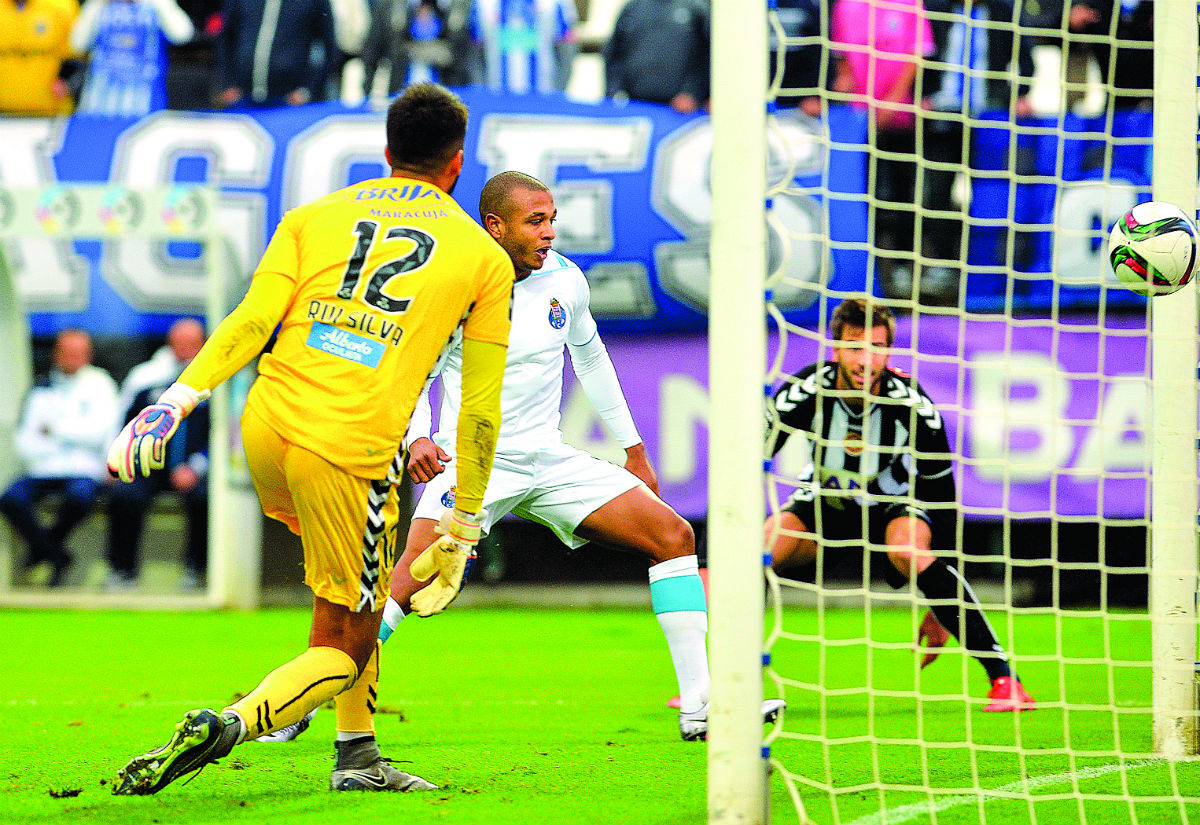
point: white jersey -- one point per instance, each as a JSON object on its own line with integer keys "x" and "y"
{"x": 549, "y": 311}
{"x": 67, "y": 424}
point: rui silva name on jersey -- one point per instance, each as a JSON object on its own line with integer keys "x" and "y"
{"x": 361, "y": 320}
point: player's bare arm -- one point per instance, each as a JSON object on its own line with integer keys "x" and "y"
{"x": 426, "y": 460}
{"x": 141, "y": 446}
{"x": 638, "y": 463}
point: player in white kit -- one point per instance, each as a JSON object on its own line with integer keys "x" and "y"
{"x": 538, "y": 477}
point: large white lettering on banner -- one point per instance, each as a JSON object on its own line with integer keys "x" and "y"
{"x": 798, "y": 255}
{"x": 47, "y": 272}
{"x": 1018, "y": 402}
{"x": 623, "y": 183}
{"x": 1082, "y": 208}
{"x": 1021, "y": 425}
{"x": 540, "y": 145}
{"x": 237, "y": 153}
{"x": 319, "y": 159}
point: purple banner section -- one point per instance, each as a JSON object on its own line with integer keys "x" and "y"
{"x": 1045, "y": 420}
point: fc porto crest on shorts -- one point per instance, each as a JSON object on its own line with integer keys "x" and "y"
{"x": 448, "y": 498}
{"x": 558, "y": 315}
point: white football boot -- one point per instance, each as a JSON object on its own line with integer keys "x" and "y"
{"x": 693, "y": 726}
{"x": 290, "y": 732}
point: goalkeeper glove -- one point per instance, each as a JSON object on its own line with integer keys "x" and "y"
{"x": 448, "y": 557}
{"x": 142, "y": 445}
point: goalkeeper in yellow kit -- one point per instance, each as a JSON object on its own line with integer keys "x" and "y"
{"x": 366, "y": 287}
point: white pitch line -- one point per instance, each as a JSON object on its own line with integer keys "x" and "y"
{"x": 907, "y": 813}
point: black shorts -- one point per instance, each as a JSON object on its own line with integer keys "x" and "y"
{"x": 843, "y": 520}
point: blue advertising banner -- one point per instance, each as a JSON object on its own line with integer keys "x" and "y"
{"x": 631, "y": 184}
{"x": 632, "y": 187}
{"x": 1049, "y": 222}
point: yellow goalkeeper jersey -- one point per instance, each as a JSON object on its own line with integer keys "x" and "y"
{"x": 367, "y": 285}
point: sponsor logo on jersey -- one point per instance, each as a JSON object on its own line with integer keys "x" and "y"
{"x": 558, "y": 315}
{"x": 843, "y": 485}
{"x": 346, "y": 345}
{"x": 396, "y": 193}
{"x": 854, "y": 443}
{"x": 408, "y": 213}
{"x": 448, "y": 497}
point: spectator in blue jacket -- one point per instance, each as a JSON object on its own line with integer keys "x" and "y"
{"x": 527, "y": 45}
{"x": 127, "y": 41}
{"x": 274, "y": 53}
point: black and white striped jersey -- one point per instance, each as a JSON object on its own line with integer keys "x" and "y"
{"x": 895, "y": 447}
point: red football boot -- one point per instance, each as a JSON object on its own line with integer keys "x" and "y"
{"x": 1008, "y": 694}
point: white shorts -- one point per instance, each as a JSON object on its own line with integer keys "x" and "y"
{"x": 558, "y": 488}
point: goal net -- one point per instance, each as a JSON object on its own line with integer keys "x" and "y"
{"x": 961, "y": 165}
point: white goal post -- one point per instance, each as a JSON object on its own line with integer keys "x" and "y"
{"x": 737, "y": 354}
{"x": 1173, "y": 560}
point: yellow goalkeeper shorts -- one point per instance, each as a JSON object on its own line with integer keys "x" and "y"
{"x": 346, "y": 524}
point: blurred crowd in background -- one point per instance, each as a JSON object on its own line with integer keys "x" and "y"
{"x": 131, "y": 57}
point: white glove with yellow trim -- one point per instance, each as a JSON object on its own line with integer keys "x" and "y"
{"x": 448, "y": 557}
{"x": 142, "y": 445}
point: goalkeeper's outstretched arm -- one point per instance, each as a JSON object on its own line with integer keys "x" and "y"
{"x": 242, "y": 335}
{"x": 141, "y": 447}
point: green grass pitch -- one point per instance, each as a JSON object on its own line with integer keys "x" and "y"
{"x": 542, "y": 716}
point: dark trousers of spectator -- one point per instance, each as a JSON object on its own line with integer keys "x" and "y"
{"x": 127, "y": 508}
{"x": 945, "y": 238}
{"x": 77, "y": 497}
{"x": 895, "y": 183}
{"x": 191, "y": 78}
{"x": 941, "y": 236}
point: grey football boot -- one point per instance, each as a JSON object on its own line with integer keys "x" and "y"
{"x": 360, "y": 767}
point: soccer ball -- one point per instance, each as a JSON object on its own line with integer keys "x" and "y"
{"x": 1152, "y": 248}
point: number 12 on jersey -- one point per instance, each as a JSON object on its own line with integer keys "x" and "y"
{"x": 373, "y": 296}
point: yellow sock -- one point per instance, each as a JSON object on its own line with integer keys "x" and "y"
{"x": 291, "y": 690}
{"x": 356, "y": 706}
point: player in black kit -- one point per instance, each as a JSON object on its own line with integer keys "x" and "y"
{"x": 880, "y": 466}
